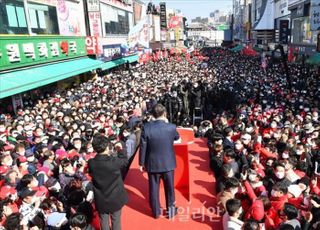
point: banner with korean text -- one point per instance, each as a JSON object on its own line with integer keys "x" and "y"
{"x": 21, "y": 51}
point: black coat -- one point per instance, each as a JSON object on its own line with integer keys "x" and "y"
{"x": 109, "y": 192}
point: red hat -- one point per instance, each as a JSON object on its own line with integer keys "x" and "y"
{"x": 41, "y": 191}
{"x": 4, "y": 169}
{"x": 6, "y": 191}
{"x": 22, "y": 159}
{"x": 257, "y": 210}
{"x": 61, "y": 154}
{"x": 44, "y": 169}
{"x": 73, "y": 154}
{"x": 8, "y": 147}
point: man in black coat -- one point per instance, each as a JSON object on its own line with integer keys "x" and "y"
{"x": 157, "y": 157}
{"x": 109, "y": 192}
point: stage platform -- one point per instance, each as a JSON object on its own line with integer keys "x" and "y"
{"x": 199, "y": 213}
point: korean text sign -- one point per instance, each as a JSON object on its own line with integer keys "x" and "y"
{"x": 22, "y": 51}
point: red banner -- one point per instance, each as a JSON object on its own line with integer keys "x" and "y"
{"x": 175, "y": 22}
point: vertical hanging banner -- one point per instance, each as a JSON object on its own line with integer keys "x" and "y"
{"x": 175, "y": 22}
{"x": 315, "y": 15}
{"x": 163, "y": 16}
{"x": 95, "y": 23}
{"x": 284, "y": 31}
{"x": 139, "y": 34}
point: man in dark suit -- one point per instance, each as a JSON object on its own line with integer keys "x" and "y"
{"x": 157, "y": 157}
{"x": 109, "y": 192}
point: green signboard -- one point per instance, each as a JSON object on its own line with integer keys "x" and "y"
{"x": 21, "y": 51}
{"x": 223, "y": 27}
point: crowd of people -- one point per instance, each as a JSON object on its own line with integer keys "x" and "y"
{"x": 262, "y": 129}
{"x": 264, "y": 148}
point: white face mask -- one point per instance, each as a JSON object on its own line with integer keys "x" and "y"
{"x": 299, "y": 152}
{"x": 77, "y": 146}
{"x": 35, "y": 183}
{"x": 2, "y": 129}
{"x": 30, "y": 159}
{"x": 230, "y": 174}
{"x": 238, "y": 146}
{"x": 280, "y": 175}
{"x": 285, "y": 155}
{"x": 234, "y": 191}
{"x": 14, "y": 197}
{"x": 9, "y": 162}
{"x": 56, "y": 187}
{"x": 273, "y": 193}
{"x": 90, "y": 150}
{"x": 252, "y": 177}
{"x": 34, "y": 200}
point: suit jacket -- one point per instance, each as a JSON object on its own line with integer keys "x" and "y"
{"x": 109, "y": 192}
{"x": 156, "y": 146}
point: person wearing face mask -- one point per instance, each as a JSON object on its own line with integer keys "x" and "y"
{"x": 68, "y": 173}
{"x": 30, "y": 205}
{"x": 49, "y": 160}
{"x": 279, "y": 196}
{"x": 230, "y": 189}
{"x": 77, "y": 143}
{"x": 241, "y": 155}
{"x": 231, "y": 219}
{"x": 5, "y": 210}
{"x": 279, "y": 175}
{"x": 291, "y": 173}
{"x": 6, "y": 159}
{"x": 229, "y": 157}
{"x": 255, "y": 178}
{"x": 54, "y": 189}
{"x": 2, "y": 127}
{"x": 264, "y": 152}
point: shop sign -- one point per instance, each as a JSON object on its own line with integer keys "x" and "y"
{"x": 93, "y": 5}
{"x": 93, "y": 45}
{"x": 95, "y": 23}
{"x": 315, "y": 15}
{"x": 21, "y": 51}
{"x": 300, "y": 10}
{"x": 124, "y": 5}
{"x": 112, "y": 52}
{"x": 163, "y": 16}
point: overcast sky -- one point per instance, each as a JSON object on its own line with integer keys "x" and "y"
{"x": 193, "y": 8}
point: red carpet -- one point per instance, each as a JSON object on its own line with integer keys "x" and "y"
{"x": 199, "y": 213}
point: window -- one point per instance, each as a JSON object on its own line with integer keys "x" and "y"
{"x": 43, "y": 19}
{"x": 301, "y": 32}
{"x": 116, "y": 21}
{"x": 12, "y": 17}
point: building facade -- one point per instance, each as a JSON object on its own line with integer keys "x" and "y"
{"x": 60, "y": 42}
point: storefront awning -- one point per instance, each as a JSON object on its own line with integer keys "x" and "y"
{"x": 120, "y": 61}
{"x": 23, "y": 80}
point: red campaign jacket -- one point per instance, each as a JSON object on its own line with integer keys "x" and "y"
{"x": 264, "y": 153}
{"x": 297, "y": 202}
{"x": 315, "y": 188}
{"x": 278, "y": 202}
{"x": 259, "y": 190}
